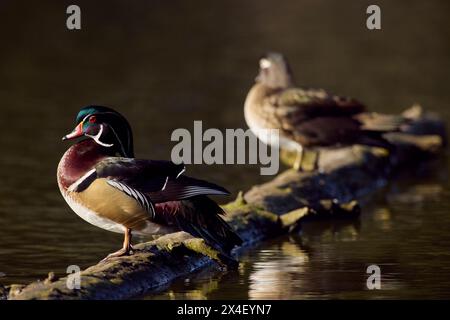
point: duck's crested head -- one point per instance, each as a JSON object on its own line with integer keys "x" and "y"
{"x": 274, "y": 71}
{"x": 106, "y": 127}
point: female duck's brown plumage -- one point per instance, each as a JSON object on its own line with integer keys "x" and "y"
{"x": 104, "y": 184}
{"x": 309, "y": 117}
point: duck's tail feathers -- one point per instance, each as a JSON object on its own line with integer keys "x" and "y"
{"x": 372, "y": 121}
{"x": 202, "y": 218}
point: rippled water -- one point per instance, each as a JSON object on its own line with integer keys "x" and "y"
{"x": 165, "y": 65}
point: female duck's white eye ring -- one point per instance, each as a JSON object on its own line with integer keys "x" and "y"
{"x": 97, "y": 137}
{"x": 264, "y": 63}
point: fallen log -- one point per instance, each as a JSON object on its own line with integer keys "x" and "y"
{"x": 273, "y": 208}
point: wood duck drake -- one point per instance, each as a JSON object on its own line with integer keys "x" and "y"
{"x": 309, "y": 117}
{"x": 105, "y": 185}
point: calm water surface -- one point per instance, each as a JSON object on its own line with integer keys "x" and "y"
{"x": 165, "y": 65}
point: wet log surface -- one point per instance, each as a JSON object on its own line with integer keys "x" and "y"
{"x": 273, "y": 208}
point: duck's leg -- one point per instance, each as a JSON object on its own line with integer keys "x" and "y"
{"x": 298, "y": 158}
{"x": 126, "y": 248}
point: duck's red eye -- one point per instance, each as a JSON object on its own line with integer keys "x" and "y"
{"x": 92, "y": 119}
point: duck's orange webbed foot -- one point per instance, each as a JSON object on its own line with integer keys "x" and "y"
{"x": 126, "y": 250}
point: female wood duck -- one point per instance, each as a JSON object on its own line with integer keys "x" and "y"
{"x": 309, "y": 117}
{"x": 105, "y": 185}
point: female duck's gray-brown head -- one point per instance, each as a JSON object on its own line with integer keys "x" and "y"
{"x": 106, "y": 127}
{"x": 274, "y": 71}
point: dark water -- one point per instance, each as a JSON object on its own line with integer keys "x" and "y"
{"x": 165, "y": 64}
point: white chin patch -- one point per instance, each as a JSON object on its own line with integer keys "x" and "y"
{"x": 264, "y": 63}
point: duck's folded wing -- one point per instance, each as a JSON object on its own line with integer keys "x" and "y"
{"x": 143, "y": 175}
{"x": 295, "y": 105}
{"x": 160, "y": 181}
{"x": 185, "y": 187}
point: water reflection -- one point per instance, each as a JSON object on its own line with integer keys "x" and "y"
{"x": 383, "y": 218}
{"x": 278, "y": 269}
{"x": 417, "y": 194}
{"x": 273, "y": 276}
